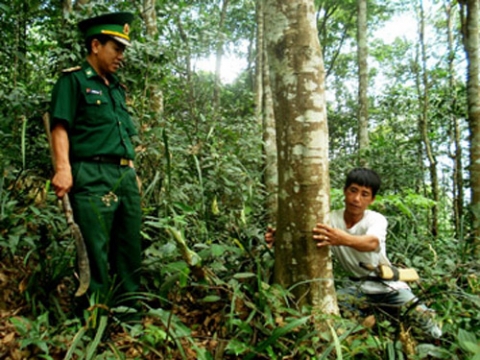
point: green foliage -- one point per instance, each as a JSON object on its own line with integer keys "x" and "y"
{"x": 37, "y": 235}
{"x": 469, "y": 342}
{"x": 35, "y": 334}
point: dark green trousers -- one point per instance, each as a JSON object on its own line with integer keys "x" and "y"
{"x": 106, "y": 206}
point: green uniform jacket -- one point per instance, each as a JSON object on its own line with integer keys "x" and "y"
{"x": 94, "y": 114}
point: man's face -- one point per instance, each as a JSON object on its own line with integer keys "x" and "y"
{"x": 109, "y": 55}
{"x": 357, "y": 198}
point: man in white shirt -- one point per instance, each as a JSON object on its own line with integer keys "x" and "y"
{"x": 357, "y": 235}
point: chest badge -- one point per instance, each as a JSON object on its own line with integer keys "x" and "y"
{"x": 93, "y": 91}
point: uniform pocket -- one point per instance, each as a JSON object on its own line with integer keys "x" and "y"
{"x": 92, "y": 178}
{"x": 97, "y": 108}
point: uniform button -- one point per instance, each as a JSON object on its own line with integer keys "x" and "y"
{"x": 98, "y": 102}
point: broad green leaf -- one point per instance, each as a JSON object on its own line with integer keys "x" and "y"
{"x": 281, "y": 331}
{"x": 244, "y": 275}
{"x": 217, "y": 250}
{"x": 468, "y": 341}
{"x": 211, "y": 298}
{"x": 436, "y": 352}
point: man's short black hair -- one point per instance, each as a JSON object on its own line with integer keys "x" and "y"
{"x": 364, "y": 177}
{"x": 102, "y": 38}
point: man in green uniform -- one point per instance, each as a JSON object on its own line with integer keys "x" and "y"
{"x": 92, "y": 142}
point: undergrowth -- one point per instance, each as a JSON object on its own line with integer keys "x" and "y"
{"x": 230, "y": 310}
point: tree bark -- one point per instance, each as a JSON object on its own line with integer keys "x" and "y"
{"x": 266, "y": 116}
{"x": 362, "y": 53}
{"x": 298, "y": 84}
{"x": 471, "y": 43}
{"x": 270, "y": 146}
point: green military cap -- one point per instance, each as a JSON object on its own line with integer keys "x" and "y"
{"x": 116, "y": 25}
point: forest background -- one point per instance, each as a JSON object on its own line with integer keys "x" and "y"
{"x": 206, "y": 147}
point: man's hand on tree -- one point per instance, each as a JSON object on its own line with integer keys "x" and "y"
{"x": 325, "y": 235}
{"x": 270, "y": 237}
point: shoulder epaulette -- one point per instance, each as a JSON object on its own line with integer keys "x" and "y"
{"x": 72, "y": 69}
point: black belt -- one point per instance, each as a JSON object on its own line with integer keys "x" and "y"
{"x": 108, "y": 159}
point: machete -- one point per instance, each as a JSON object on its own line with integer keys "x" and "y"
{"x": 82, "y": 256}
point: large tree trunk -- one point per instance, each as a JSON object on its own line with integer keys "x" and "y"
{"x": 423, "y": 96}
{"x": 362, "y": 53}
{"x": 297, "y": 74}
{"x": 471, "y": 41}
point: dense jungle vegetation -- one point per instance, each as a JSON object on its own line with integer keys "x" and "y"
{"x": 207, "y": 289}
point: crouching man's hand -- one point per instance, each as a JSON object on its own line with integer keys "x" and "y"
{"x": 325, "y": 235}
{"x": 270, "y": 237}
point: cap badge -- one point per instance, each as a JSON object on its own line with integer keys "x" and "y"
{"x": 126, "y": 29}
